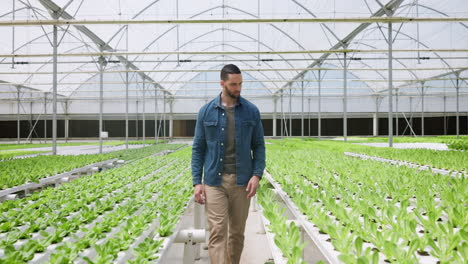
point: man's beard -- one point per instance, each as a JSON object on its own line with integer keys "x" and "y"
{"x": 233, "y": 96}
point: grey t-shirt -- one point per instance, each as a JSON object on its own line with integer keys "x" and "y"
{"x": 230, "y": 147}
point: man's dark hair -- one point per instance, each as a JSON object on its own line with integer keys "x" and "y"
{"x": 229, "y": 69}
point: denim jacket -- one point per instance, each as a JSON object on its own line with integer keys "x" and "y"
{"x": 210, "y": 138}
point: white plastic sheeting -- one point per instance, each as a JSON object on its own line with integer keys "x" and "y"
{"x": 78, "y": 76}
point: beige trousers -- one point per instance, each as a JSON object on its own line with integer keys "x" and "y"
{"x": 227, "y": 208}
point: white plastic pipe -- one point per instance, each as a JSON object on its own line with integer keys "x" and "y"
{"x": 190, "y": 235}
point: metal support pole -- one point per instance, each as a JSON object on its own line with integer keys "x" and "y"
{"x": 458, "y": 106}
{"x": 411, "y": 113}
{"x": 102, "y": 62}
{"x": 45, "y": 117}
{"x": 390, "y": 86}
{"x": 422, "y": 109}
{"x": 308, "y": 124}
{"x": 445, "y": 115}
{"x": 345, "y": 98}
{"x": 54, "y": 92}
{"x": 18, "y": 125}
{"x": 290, "y": 112}
{"x": 31, "y": 127}
{"x": 155, "y": 115}
{"x": 282, "y": 116}
{"x": 319, "y": 121}
{"x": 126, "y": 108}
{"x": 302, "y": 109}
{"x": 171, "y": 120}
{"x": 396, "y": 112}
{"x": 164, "y": 116}
{"x": 136, "y": 121}
{"x": 375, "y": 120}
{"x": 275, "y": 103}
{"x": 13, "y": 36}
{"x": 126, "y": 90}
{"x": 67, "y": 129}
{"x": 66, "y": 121}
{"x": 143, "y": 112}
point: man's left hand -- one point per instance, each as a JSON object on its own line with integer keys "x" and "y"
{"x": 252, "y": 186}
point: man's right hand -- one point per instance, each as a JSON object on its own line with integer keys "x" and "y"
{"x": 199, "y": 194}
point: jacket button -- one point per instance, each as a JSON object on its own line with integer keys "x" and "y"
{"x": 222, "y": 129}
{"x": 223, "y": 114}
{"x": 219, "y": 173}
{"x": 221, "y": 159}
{"x": 222, "y": 144}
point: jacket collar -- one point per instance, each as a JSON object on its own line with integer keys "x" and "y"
{"x": 219, "y": 104}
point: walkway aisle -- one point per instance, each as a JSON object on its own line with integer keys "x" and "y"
{"x": 256, "y": 249}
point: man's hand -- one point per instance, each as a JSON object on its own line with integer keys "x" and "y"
{"x": 252, "y": 186}
{"x": 199, "y": 192}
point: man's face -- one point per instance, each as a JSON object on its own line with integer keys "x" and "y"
{"x": 233, "y": 85}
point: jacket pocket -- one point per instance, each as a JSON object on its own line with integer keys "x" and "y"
{"x": 247, "y": 129}
{"x": 211, "y": 130}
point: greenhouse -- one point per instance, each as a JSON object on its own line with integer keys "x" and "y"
{"x": 358, "y": 123}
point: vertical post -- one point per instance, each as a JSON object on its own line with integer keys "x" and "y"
{"x": 126, "y": 90}
{"x": 302, "y": 109}
{"x": 171, "y": 120}
{"x": 376, "y": 118}
{"x": 13, "y": 36}
{"x": 375, "y": 121}
{"x": 164, "y": 116}
{"x": 396, "y": 111}
{"x": 445, "y": 115}
{"x": 411, "y": 112}
{"x": 345, "y": 98}
{"x": 422, "y": 109}
{"x": 275, "y": 102}
{"x": 101, "y": 96}
{"x": 31, "y": 127}
{"x": 126, "y": 106}
{"x": 390, "y": 86}
{"x": 18, "y": 123}
{"x": 319, "y": 103}
{"x": 258, "y": 33}
{"x": 308, "y": 99}
{"x": 45, "y": 117}
{"x": 136, "y": 120}
{"x": 67, "y": 128}
{"x": 54, "y": 86}
{"x": 66, "y": 121}
{"x": 144, "y": 110}
{"x": 458, "y": 105}
{"x": 290, "y": 111}
{"x": 198, "y": 224}
{"x": 177, "y": 32}
{"x": 155, "y": 115}
{"x": 282, "y": 115}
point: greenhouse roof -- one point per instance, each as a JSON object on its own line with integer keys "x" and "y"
{"x": 183, "y": 59}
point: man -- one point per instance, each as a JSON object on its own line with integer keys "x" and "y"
{"x": 229, "y": 152}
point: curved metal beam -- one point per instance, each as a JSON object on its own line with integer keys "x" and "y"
{"x": 215, "y": 30}
{"x": 218, "y": 66}
{"x": 201, "y": 63}
{"x": 54, "y": 8}
{"x": 217, "y": 7}
{"x": 432, "y": 9}
{"x": 399, "y": 61}
{"x": 392, "y": 5}
{"x": 135, "y": 16}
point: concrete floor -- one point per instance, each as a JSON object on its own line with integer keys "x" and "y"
{"x": 256, "y": 249}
